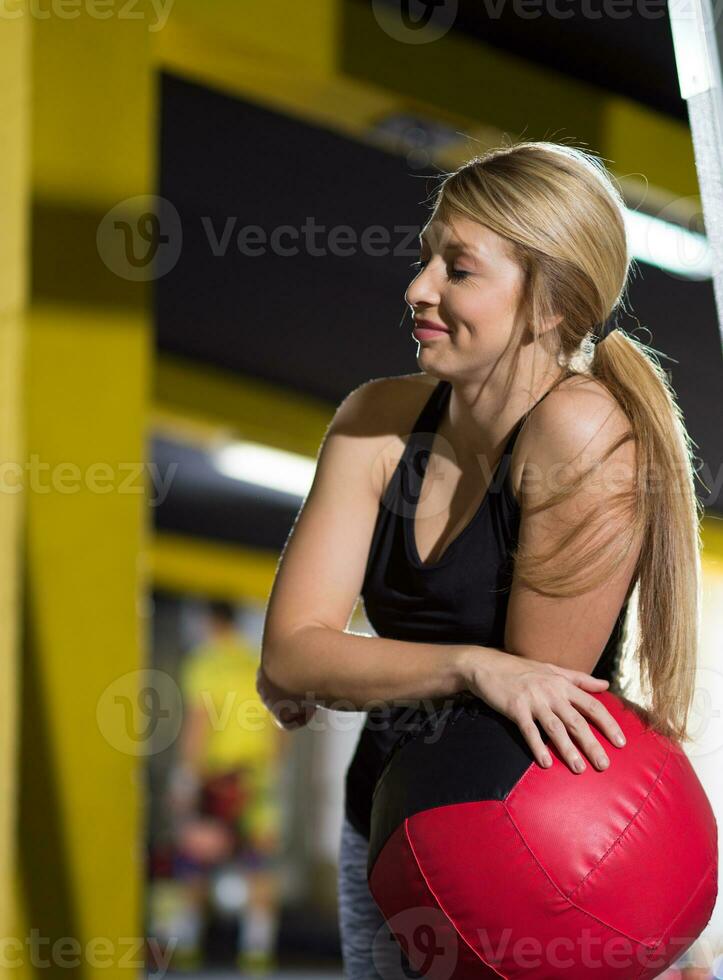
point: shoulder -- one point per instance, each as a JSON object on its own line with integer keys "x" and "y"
{"x": 383, "y": 405}
{"x": 579, "y": 410}
{"x": 375, "y": 420}
{"x": 369, "y": 428}
{"x": 578, "y": 423}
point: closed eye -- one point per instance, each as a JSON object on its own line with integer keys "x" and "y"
{"x": 457, "y": 275}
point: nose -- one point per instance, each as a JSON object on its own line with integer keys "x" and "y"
{"x": 421, "y": 291}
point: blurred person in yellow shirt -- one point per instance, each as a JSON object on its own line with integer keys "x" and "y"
{"x": 224, "y": 789}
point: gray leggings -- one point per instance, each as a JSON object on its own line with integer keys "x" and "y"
{"x": 369, "y": 950}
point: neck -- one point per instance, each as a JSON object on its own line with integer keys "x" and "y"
{"x": 481, "y": 412}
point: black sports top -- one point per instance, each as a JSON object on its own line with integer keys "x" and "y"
{"x": 461, "y": 598}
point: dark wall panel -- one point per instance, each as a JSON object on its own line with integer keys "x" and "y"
{"x": 324, "y": 323}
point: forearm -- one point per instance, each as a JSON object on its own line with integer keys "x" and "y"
{"x": 350, "y": 671}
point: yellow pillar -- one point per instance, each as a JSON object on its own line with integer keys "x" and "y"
{"x": 81, "y": 829}
{"x": 14, "y": 97}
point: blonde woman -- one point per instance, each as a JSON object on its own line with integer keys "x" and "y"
{"x": 496, "y": 510}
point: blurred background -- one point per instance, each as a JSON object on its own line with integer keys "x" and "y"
{"x": 208, "y": 212}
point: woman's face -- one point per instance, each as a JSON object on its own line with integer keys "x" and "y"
{"x": 468, "y": 285}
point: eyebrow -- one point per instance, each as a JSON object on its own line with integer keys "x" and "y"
{"x": 454, "y": 245}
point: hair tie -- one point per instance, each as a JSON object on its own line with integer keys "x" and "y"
{"x": 601, "y": 330}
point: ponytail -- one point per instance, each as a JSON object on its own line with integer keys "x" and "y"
{"x": 669, "y": 568}
{"x": 563, "y": 216}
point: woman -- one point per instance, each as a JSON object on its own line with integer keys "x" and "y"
{"x": 509, "y": 571}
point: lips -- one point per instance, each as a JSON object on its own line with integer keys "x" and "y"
{"x": 428, "y": 329}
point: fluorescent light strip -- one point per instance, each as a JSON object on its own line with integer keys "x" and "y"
{"x": 668, "y": 246}
{"x": 265, "y": 466}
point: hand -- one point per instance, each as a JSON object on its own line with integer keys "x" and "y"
{"x": 529, "y": 691}
{"x": 289, "y": 711}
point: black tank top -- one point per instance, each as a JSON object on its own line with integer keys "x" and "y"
{"x": 460, "y": 598}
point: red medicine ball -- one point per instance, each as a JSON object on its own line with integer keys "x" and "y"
{"x": 484, "y": 864}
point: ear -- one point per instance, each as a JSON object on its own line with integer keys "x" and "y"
{"x": 546, "y": 325}
{"x": 551, "y": 322}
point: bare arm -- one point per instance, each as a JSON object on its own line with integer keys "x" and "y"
{"x": 571, "y": 429}
{"x": 349, "y": 671}
{"x": 552, "y": 636}
{"x": 306, "y": 645}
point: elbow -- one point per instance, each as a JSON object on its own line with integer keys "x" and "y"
{"x": 281, "y": 662}
{"x": 286, "y": 662}
{"x": 272, "y": 664}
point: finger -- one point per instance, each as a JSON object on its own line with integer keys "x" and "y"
{"x": 597, "y": 712}
{"x": 531, "y": 733}
{"x": 555, "y": 728}
{"x": 581, "y": 679}
{"x": 579, "y": 729}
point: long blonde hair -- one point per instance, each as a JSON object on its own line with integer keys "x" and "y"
{"x": 563, "y": 218}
